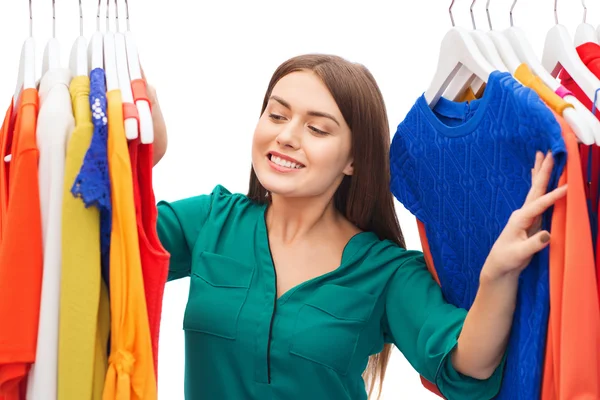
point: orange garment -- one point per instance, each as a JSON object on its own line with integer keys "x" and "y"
{"x": 21, "y": 254}
{"x": 572, "y": 365}
{"x": 130, "y": 366}
{"x": 556, "y": 103}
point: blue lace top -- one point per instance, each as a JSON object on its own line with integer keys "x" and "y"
{"x": 93, "y": 182}
{"x": 461, "y": 169}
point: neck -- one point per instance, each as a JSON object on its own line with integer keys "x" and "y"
{"x": 293, "y": 219}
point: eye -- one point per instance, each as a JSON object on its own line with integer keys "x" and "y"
{"x": 317, "y": 131}
{"x": 276, "y": 117}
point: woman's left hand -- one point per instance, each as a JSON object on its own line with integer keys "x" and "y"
{"x": 522, "y": 237}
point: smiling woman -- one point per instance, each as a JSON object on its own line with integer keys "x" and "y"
{"x": 300, "y": 288}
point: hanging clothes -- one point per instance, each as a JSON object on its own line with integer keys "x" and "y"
{"x": 574, "y": 325}
{"x": 84, "y": 322}
{"x": 93, "y": 181}
{"x": 589, "y": 53}
{"x": 571, "y": 245}
{"x": 130, "y": 367}
{"x": 54, "y": 124}
{"x": 21, "y": 252}
{"x": 478, "y": 156}
{"x": 154, "y": 258}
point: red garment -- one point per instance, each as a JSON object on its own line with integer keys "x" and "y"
{"x": 154, "y": 258}
{"x": 590, "y": 55}
{"x": 21, "y": 254}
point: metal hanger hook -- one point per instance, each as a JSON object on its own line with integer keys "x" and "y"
{"x": 107, "y": 19}
{"x": 584, "y": 10}
{"x": 472, "y": 16}
{"x": 117, "y": 14}
{"x": 80, "y": 19}
{"x": 98, "y": 16}
{"x": 30, "y": 20}
{"x": 449, "y": 10}
{"x": 487, "y": 11}
{"x": 555, "y": 12}
{"x": 127, "y": 14}
{"x": 53, "y": 19}
{"x": 511, "y": 12}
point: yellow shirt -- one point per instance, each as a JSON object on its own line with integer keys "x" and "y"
{"x": 131, "y": 368}
{"x": 524, "y": 75}
{"x": 81, "y": 320}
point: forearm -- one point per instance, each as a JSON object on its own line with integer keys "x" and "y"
{"x": 486, "y": 330}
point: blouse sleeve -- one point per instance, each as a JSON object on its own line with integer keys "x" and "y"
{"x": 425, "y": 328}
{"x": 178, "y": 226}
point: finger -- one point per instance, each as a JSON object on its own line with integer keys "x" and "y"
{"x": 542, "y": 177}
{"x": 539, "y": 158}
{"x": 534, "y": 244}
{"x": 529, "y": 212}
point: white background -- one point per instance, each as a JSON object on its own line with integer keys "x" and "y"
{"x": 211, "y": 62}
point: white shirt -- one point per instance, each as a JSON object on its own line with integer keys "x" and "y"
{"x": 54, "y": 125}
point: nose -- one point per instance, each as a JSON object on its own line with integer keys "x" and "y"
{"x": 290, "y": 135}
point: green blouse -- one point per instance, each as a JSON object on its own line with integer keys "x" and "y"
{"x": 241, "y": 342}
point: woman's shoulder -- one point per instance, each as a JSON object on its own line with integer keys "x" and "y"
{"x": 219, "y": 201}
{"x": 382, "y": 252}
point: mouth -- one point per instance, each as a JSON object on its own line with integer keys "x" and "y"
{"x": 284, "y": 162}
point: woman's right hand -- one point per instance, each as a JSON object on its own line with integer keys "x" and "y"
{"x": 160, "y": 127}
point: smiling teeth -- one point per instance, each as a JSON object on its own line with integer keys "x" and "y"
{"x": 285, "y": 163}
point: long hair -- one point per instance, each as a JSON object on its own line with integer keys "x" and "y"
{"x": 364, "y": 198}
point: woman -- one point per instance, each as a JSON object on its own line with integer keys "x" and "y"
{"x": 299, "y": 289}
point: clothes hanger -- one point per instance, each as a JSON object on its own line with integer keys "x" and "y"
{"x": 96, "y": 47}
{"x": 503, "y": 46}
{"x": 131, "y": 122}
{"x": 78, "y": 60}
{"x": 518, "y": 40}
{"x": 457, "y": 49}
{"x": 585, "y": 32}
{"x": 135, "y": 74}
{"x": 559, "y": 53}
{"x": 52, "y": 51}
{"x": 26, "y": 78}
{"x": 110, "y": 56}
{"x": 464, "y": 75}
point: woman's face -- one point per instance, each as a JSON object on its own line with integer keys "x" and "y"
{"x": 301, "y": 145}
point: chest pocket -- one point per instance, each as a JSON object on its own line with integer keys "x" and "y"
{"x": 218, "y": 290}
{"x": 329, "y": 324}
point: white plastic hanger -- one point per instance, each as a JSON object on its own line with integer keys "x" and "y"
{"x": 110, "y": 56}
{"x": 135, "y": 73}
{"x": 457, "y": 49}
{"x": 26, "y": 78}
{"x": 559, "y": 52}
{"x": 78, "y": 60}
{"x": 52, "y": 51}
{"x": 502, "y": 45}
{"x": 518, "y": 40}
{"x": 96, "y": 47}
{"x": 131, "y": 124}
{"x": 585, "y": 32}
{"x": 486, "y": 45}
{"x": 487, "y": 48}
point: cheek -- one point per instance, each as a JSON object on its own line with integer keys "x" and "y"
{"x": 333, "y": 154}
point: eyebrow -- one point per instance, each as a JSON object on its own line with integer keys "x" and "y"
{"x": 311, "y": 113}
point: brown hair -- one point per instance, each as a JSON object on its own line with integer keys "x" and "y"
{"x": 364, "y": 198}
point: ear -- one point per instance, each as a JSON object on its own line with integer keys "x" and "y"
{"x": 349, "y": 169}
